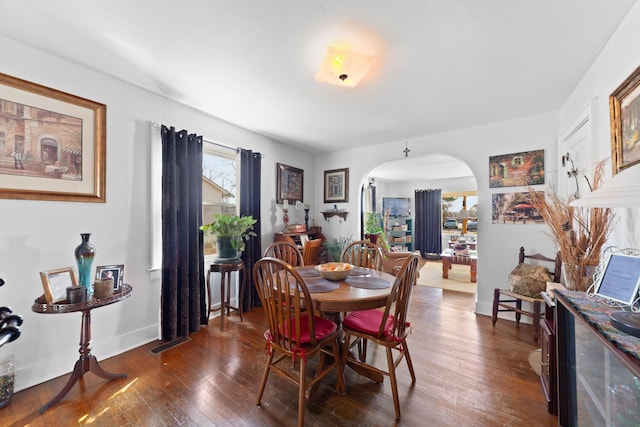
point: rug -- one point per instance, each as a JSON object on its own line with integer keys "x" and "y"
{"x": 535, "y": 360}
{"x": 431, "y": 276}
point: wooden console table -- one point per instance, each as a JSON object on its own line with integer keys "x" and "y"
{"x": 87, "y": 361}
{"x": 449, "y": 258}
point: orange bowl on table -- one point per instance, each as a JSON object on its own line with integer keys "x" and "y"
{"x": 334, "y": 270}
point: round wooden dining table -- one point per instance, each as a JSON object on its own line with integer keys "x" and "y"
{"x": 362, "y": 290}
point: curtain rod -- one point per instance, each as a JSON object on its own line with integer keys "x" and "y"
{"x": 236, "y": 149}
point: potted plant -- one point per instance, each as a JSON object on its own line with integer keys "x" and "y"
{"x": 373, "y": 230}
{"x": 231, "y": 232}
{"x": 579, "y": 232}
{"x": 334, "y": 247}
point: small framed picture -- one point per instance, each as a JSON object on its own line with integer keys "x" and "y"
{"x": 336, "y": 185}
{"x": 55, "y": 283}
{"x": 112, "y": 271}
{"x": 289, "y": 184}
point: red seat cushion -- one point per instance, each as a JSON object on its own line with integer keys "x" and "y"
{"x": 368, "y": 322}
{"x": 323, "y": 328}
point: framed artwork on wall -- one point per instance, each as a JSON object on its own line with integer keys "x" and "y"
{"x": 624, "y": 111}
{"x": 54, "y": 144}
{"x": 289, "y": 184}
{"x": 514, "y": 208}
{"x": 516, "y": 169}
{"x": 336, "y": 186}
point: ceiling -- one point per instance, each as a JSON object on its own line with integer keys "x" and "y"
{"x": 439, "y": 65}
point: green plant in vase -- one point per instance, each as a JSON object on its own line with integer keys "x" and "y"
{"x": 373, "y": 227}
{"x": 231, "y": 232}
{"x": 334, "y": 247}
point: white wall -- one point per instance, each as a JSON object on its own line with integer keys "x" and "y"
{"x": 41, "y": 235}
{"x": 38, "y": 236}
{"x": 619, "y": 58}
{"x": 500, "y": 242}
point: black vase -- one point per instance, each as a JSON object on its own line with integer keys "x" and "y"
{"x": 85, "y": 252}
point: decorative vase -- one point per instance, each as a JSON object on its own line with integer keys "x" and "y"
{"x": 84, "y": 258}
{"x": 578, "y": 277}
{"x": 306, "y": 218}
{"x": 7, "y": 380}
{"x": 225, "y": 250}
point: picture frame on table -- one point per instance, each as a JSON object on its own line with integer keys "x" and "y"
{"x": 55, "y": 283}
{"x": 55, "y": 143}
{"x": 624, "y": 112}
{"x": 289, "y": 183}
{"x": 115, "y": 271}
{"x": 336, "y": 185}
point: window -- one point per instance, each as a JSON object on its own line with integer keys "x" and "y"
{"x": 219, "y": 186}
{"x": 219, "y": 189}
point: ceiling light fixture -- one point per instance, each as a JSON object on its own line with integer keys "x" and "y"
{"x": 343, "y": 67}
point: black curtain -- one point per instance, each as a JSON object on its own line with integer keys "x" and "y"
{"x": 250, "y": 168}
{"x": 428, "y": 221}
{"x": 183, "y": 286}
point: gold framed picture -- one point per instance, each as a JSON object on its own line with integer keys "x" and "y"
{"x": 55, "y": 283}
{"x": 624, "y": 111}
{"x": 54, "y": 144}
{"x": 336, "y": 186}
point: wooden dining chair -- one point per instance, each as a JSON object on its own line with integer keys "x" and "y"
{"x": 363, "y": 253}
{"x": 311, "y": 252}
{"x": 295, "y": 332}
{"x": 287, "y": 252}
{"x": 388, "y": 328}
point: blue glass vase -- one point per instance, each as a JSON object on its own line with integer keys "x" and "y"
{"x": 85, "y": 252}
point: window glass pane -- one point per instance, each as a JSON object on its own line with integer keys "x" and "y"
{"x": 219, "y": 186}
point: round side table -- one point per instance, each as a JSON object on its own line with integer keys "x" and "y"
{"x": 225, "y": 268}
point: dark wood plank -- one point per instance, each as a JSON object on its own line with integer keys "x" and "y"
{"x": 468, "y": 373}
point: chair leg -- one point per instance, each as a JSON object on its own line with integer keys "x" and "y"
{"x": 341, "y": 386}
{"x": 518, "y": 311}
{"x": 302, "y": 391}
{"x": 362, "y": 349}
{"x": 536, "y": 321}
{"x": 407, "y": 356}
{"x": 394, "y": 383}
{"x": 265, "y": 376}
{"x": 496, "y": 300}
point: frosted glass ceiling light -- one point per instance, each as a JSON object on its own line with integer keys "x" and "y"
{"x": 343, "y": 67}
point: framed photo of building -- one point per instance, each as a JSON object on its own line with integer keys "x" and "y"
{"x": 514, "y": 208}
{"x": 289, "y": 184}
{"x": 54, "y": 144}
{"x": 516, "y": 169}
{"x": 336, "y": 186}
{"x": 624, "y": 111}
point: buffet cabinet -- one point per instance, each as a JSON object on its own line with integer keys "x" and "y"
{"x": 598, "y": 367}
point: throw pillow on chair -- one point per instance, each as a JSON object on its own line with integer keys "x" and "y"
{"x": 529, "y": 280}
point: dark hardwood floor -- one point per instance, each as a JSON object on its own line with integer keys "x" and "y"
{"x": 468, "y": 374}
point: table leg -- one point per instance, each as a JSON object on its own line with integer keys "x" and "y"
{"x": 474, "y": 270}
{"x": 446, "y": 266}
{"x": 224, "y": 305}
{"x": 87, "y": 362}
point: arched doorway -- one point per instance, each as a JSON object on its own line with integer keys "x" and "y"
{"x": 400, "y": 179}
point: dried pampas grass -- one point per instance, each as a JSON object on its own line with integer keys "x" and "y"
{"x": 579, "y": 232}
